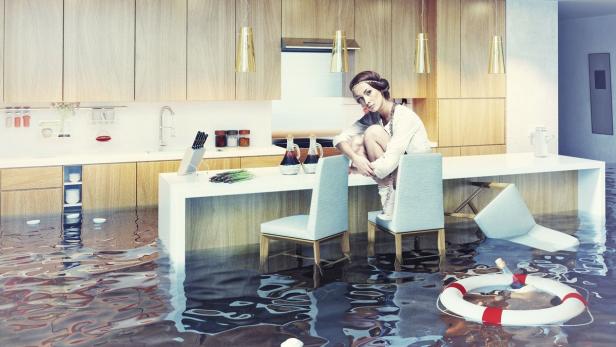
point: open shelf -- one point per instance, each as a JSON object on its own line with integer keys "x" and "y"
{"x": 73, "y": 205}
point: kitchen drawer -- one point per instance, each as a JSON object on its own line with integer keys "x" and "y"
{"x": 26, "y": 203}
{"x": 31, "y": 178}
{"x": 261, "y": 161}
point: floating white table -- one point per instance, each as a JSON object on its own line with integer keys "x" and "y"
{"x": 174, "y": 191}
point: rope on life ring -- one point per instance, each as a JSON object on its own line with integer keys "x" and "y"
{"x": 572, "y": 303}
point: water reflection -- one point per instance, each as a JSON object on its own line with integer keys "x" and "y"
{"x": 111, "y": 284}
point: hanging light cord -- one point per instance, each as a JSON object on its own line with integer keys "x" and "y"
{"x": 495, "y": 17}
{"x": 422, "y": 16}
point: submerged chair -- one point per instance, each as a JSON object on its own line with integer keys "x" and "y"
{"x": 418, "y": 204}
{"x": 328, "y": 218}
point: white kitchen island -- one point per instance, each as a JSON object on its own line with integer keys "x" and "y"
{"x": 195, "y": 214}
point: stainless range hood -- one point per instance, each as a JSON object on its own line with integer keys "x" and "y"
{"x": 290, "y": 44}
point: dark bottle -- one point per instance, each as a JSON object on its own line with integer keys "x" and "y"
{"x": 290, "y": 162}
{"x": 310, "y": 163}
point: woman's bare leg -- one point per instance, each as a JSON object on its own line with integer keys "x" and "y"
{"x": 375, "y": 141}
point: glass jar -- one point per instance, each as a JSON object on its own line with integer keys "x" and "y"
{"x": 221, "y": 138}
{"x": 232, "y": 138}
{"x": 244, "y": 138}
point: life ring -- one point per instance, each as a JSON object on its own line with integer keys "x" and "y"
{"x": 572, "y": 303}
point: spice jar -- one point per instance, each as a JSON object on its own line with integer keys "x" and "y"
{"x": 244, "y": 138}
{"x": 232, "y": 138}
{"x": 221, "y": 138}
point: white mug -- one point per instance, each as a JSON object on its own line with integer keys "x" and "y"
{"x": 71, "y": 196}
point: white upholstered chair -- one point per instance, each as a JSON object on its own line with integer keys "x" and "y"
{"x": 418, "y": 204}
{"x": 328, "y": 218}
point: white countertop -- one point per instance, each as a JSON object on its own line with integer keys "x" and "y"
{"x": 271, "y": 180}
{"x": 102, "y": 157}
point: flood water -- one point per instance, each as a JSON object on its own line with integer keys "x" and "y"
{"x": 113, "y": 285}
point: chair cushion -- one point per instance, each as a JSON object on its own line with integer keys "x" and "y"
{"x": 506, "y": 216}
{"x": 291, "y": 226}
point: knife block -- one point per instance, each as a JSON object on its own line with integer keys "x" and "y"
{"x": 191, "y": 160}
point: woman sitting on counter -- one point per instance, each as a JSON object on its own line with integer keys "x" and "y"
{"x": 375, "y": 142}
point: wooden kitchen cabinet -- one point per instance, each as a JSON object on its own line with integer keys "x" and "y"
{"x": 265, "y": 18}
{"x": 160, "y": 50}
{"x": 446, "y": 71}
{"x": 211, "y": 50}
{"x": 317, "y": 18}
{"x": 477, "y": 26}
{"x": 469, "y": 122}
{"x": 99, "y": 50}
{"x": 261, "y": 161}
{"x": 448, "y": 151}
{"x": 31, "y": 203}
{"x": 373, "y": 35}
{"x": 33, "y": 50}
{"x": 31, "y": 178}
{"x": 148, "y": 172}
{"x": 406, "y": 24}
{"x": 109, "y": 186}
{"x": 482, "y": 150}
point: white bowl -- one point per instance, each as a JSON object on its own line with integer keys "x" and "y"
{"x": 72, "y": 215}
{"x": 99, "y": 220}
{"x": 71, "y": 196}
{"x": 33, "y": 222}
{"x": 74, "y": 177}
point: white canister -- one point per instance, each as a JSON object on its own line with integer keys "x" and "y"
{"x": 540, "y": 139}
{"x": 71, "y": 196}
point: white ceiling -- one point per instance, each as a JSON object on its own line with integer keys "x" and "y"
{"x": 568, "y": 9}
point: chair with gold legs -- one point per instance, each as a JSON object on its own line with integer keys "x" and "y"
{"x": 418, "y": 204}
{"x": 328, "y": 217}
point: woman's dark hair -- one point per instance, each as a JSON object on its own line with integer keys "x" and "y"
{"x": 374, "y": 80}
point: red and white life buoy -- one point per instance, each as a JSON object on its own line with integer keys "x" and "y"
{"x": 572, "y": 303}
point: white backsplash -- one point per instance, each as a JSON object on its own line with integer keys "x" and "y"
{"x": 136, "y": 128}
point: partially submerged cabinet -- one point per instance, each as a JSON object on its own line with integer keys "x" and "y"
{"x": 31, "y": 191}
{"x": 109, "y": 186}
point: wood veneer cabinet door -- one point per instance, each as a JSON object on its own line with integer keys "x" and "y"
{"x": 31, "y": 178}
{"x": 265, "y": 19}
{"x": 482, "y": 150}
{"x": 373, "y": 34}
{"x": 148, "y": 172}
{"x": 477, "y": 26}
{"x": 35, "y": 202}
{"x": 99, "y": 50}
{"x": 406, "y": 24}
{"x": 109, "y": 186}
{"x": 33, "y": 54}
{"x": 160, "y": 50}
{"x": 317, "y": 18}
{"x": 447, "y": 69}
{"x": 211, "y": 50}
{"x": 261, "y": 161}
{"x": 469, "y": 122}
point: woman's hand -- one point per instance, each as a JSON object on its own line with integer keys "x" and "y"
{"x": 363, "y": 165}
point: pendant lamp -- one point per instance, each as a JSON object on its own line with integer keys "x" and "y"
{"x": 245, "y": 50}
{"x": 340, "y": 54}
{"x": 497, "y": 58}
{"x": 422, "y": 52}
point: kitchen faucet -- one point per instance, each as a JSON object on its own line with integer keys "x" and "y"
{"x": 161, "y": 122}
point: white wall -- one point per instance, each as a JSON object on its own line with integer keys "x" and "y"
{"x": 136, "y": 128}
{"x": 579, "y": 37}
{"x": 532, "y": 71}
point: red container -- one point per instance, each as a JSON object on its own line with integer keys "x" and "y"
{"x": 17, "y": 122}
{"x": 26, "y": 121}
{"x": 221, "y": 138}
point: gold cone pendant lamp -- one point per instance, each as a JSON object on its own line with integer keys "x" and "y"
{"x": 497, "y": 58}
{"x": 422, "y": 54}
{"x": 340, "y": 55}
{"x": 245, "y": 51}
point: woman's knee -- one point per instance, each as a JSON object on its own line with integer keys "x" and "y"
{"x": 375, "y": 132}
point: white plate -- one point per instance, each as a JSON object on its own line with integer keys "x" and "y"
{"x": 99, "y": 220}
{"x": 72, "y": 216}
{"x": 33, "y": 222}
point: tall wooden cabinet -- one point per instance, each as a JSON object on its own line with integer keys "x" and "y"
{"x": 160, "y": 50}
{"x": 33, "y": 50}
{"x": 468, "y": 122}
{"x": 30, "y": 192}
{"x": 373, "y": 34}
{"x": 211, "y": 50}
{"x": 317, "y": 18}
{"x": 265, "y": 19}
{"x": 99, "y": 50}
